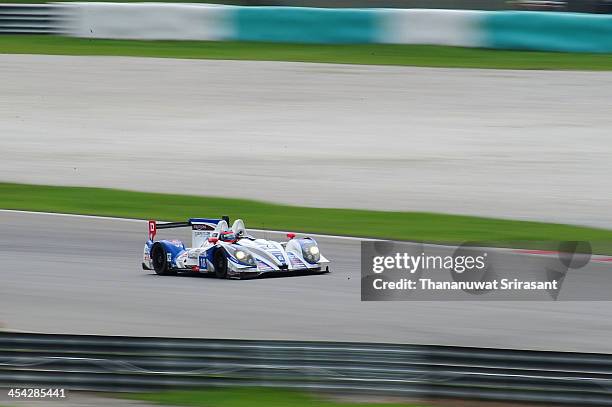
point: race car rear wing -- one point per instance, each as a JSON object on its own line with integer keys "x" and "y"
{"x": 196, "y": 224}
{"x": 153, "y": 226}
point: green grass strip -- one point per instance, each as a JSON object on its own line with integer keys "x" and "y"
{"x": 431, "y": 227}
{"x": 249, "y": 397}
{"x": 372, "y": 54}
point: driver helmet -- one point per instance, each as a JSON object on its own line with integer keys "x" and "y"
{"x": 227, "y": 236}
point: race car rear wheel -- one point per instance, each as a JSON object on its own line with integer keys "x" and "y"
{"x": 220, "y": 262}
{"x": 160, "y": 260}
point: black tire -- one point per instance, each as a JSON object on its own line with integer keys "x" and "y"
{"x": 220, "y": 262}
{"x": 160, "y": 260}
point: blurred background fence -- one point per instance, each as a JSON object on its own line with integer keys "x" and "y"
{"x": 80, "y": 362}
{"x": 29, "y": 19}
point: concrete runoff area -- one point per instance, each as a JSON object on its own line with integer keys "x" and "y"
{"x": 82, "y": 275}
{"x": 515, "y": 144}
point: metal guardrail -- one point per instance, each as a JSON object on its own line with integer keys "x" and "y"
{"x": 29, "y": 19}
{"x": 131, "y": 364}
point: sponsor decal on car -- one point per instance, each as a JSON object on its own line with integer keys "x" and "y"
{"x": 200, "y": 234}
{"x": 202, "y": 226}
{"x": 261, "y": 266}
{"x": 295, "y": 262}
{"x": 202, "y": 262}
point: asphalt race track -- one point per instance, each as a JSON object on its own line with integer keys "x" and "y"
{"x": 502, "y": 143}
{"x": 64, "y": 274}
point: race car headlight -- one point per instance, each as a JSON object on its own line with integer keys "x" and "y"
{"x": 244, "y": 257}
{"x": 311, "y": 253}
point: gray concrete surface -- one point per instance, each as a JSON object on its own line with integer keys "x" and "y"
{"x": 76, "y": 275}
{"x": 518, "y": 144}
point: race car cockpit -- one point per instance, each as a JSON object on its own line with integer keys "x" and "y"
{"x": 228, "y": 236}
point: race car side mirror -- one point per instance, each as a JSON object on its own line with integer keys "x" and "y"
{"x": 290, "y": 235}
{"x": 213, "y": 240}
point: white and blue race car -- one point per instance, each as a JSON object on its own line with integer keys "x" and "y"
{"x": 229, "y": 252}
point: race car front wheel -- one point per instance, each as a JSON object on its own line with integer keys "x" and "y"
{"x": 220, "y": 264}
{"x": 160, "y": 260}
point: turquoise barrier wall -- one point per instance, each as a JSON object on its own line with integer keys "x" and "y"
{"x": 548, "y": 31}
{"x": 528, "y": 30}
{"x": 306, "y": 25}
